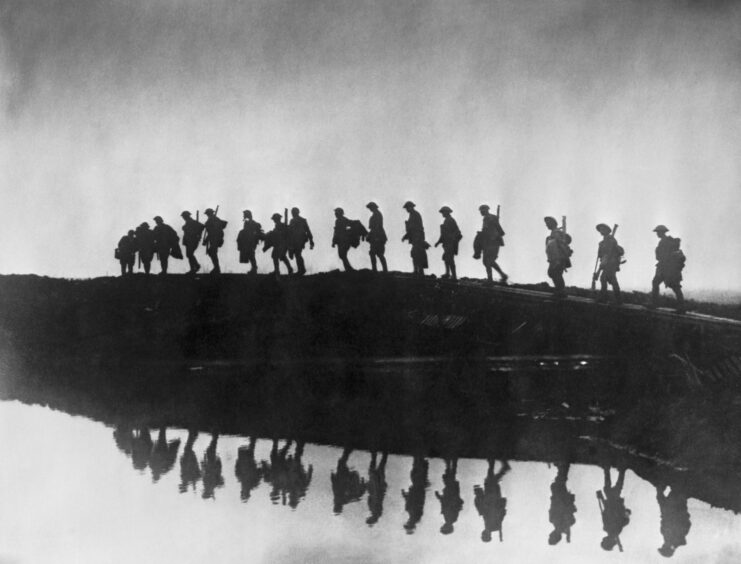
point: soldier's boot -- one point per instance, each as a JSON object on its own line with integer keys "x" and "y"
{"x": 383, "y": 263}
{"x": 300, "y": 266}
{"x": 489, "y": 276}
{"x": 452, "y": 272}
{"x": 373, "y": 263}
{"x": 447, "y": 271}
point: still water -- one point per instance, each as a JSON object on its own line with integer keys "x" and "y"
{"x": 76, "y": 490}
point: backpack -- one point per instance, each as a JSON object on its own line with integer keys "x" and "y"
{"x": 356, "y": 232}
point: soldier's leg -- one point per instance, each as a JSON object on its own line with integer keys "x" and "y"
{"x": 300, "y": 268}
{"x": 382, "y": 258}
{"x": 613, "y": 281}
{"x": 163, "y": 263}
{"x": 122, "y": 262}
{"x": 453, "y": 275}
{"x": 342, "y": 251}
{"x": 655, "y": 283}
{"x": 285, "y": 261}
{"x": 253, "y": 264}
{"x": 373, "y": 261}
{"x": 680, "y": 295}
{"x": 501, "y": 273}
{"x": 214, "y": 255}
{"x": 147, "y": 265}
{"x": 489, "y": 275}
{"x": 276, "y": 266}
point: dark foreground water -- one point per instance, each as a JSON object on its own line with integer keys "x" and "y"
{"x": 75, "y": 490}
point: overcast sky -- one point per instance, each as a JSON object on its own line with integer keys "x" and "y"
{"x": 617, "y": 111}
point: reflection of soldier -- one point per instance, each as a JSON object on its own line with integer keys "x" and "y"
{"x": 376, "y": 237}
{"x": 192, "y": 231}
{"x": 246, "y": 469}
{"x": 489, "y": 501}
{"x": 347, "y": 485}
{"x": 299, "y": 235}
{"x": 145, "y": 245}
{"x": 414, "y": 497}
{"x": 247, "y": 240}
{"x": 669, "y": 265}
{"x": 124, "y": 439}
{"x": 141, "y": 448}
{"x": 166, "y": 242}
{"x": 277, "y": 239}
{"x": 298, "y": 477}
{"x": 675, "y": 520}
{"x": 415, "y": 234}
{"x": 342, "y": 237}
{"x": 561, "y": 513}
{"x": 214, "y": 238}
{"x": 376, "y": 488}
{"x": 451, "y": 502}
{"x": 488, "y": 241}
{"x": 164, "y": 454}
{"x": 276, "y": 473}
{"x": 190, "y": 472}
{"x": 615, "y": 516}
{"x": 127, "y": 253}
{"x": 450, "y": 236}
{"x": 211, "y": 469}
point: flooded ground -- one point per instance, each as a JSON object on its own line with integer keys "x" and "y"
{"x": 78, "y": 490}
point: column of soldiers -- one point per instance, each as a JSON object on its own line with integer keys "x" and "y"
{"x": 288, "y": 239}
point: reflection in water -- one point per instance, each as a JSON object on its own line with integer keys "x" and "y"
{"x": 286, "y": 473}
{"x": 190, "y": 471}
{"x": 377, "y": 487}
{"x": 347, "y": 485}
{"x": 489, "y": 501}
{"x": 451, "y": 502}
{"x": 298, "y": 477}
{"x": 414, "y": 497}
{"x": 563, "y": 506}
{"x": 164, "y": 454}
{"x": 615, "y": 516}
{"x": 141, "y": 448}
{"x": 159, "y": 456}
{"x": 675, "y": 519}
{"x": 246, "y": 470}
{"x": 211, "y": 469}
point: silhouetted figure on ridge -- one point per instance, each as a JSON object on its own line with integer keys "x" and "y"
{"x": 669, "y": 265}
{"x": 451, "y": 502}
{"x": 126, "y": 252}
{"x": 211, "y": 469}
{"x": 192, "y": 232}
{"x": 342, "y": 237}
{"x": 276, "y": 472}
{"x": 247, "y": 240}
{"x": 450, "y": 237}
{"x": 558, "y": 253}
{"x": 347, "y": 485}
{"x": 415, "y": 235}
{"x": 609, "y": 256}
{"x": 164, "y": 454}
{"x": 376, "y": 237}
{"x": 563, "y": 506}
{"x": 277, "y": 239}
{"x": 246, "y": 469}
{"x": 299, "y": 234}
{"x": 489, "y": 501}
{"x": 214, "y": 238}
{"x": 190, "y": 471}
{"x": 299, "y": 478}
{"x": 377, "y": 487}
{"x": 414, "y": 497}
{"x": 487, "y": 243}
{"x": 615, "y": 516}
{"x": 675, "y": 519}
{"x": 145, "y": 246}
{"x": 166, "y": 243}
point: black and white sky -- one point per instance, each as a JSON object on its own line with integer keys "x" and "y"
{"x": 614, "y": 111}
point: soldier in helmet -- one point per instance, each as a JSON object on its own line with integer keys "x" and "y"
{"x": 342, "y": 237}
{"x": 376, "y": 237}
{"x": 277, "y": 239}
{"x": 192, "y": 231}
{"x": 669, "y": 264}
{"x": 214, "y": 238}
{"x": 126, "y": 252}
{"x": 145, "y": 245}
{"x": 450, "y": 236}
{"x": 299, "y": 235}
{"x": 248, "y": 239}
{"x": 415, "y": 235}
{"x": 488, "y": 241}
{"x": 558, "y": 254}
{"x": 165, "y": 240}
{"x": 609, "y": 256}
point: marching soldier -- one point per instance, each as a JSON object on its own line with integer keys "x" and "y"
{"x": 192, "y": 231}
{"x": 277, "y": 239}
{"x": 126, "y": 252}
{"x": 558, "y": 254}
{"x": 166, "y": 242}
{"x": 376, "y": 237}
{"x": 608, "y": 254}
{"x": 415, "y": 234}
{"x": 342, "y": 237}
{"x": 299, "y": 235}
{"x": 248, "y": 239}
{"x": 145, "y": 245}
{"x": 450, "y": 236}
{"x": 488, "y": 241}
{"x": 670, "y": 262}
{"x": 214, "y": 238}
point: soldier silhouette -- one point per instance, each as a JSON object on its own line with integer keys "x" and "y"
{"x": 609, "y": 256}
{"x": 166, "y": 243}
{"x": 615, "y": 516}
{"x": 298, "y": 235}
{"x": 277, "y": 239}
{"x": 246, "y": 469}
{"x": 342, "y": 237}
{"x": 164, "y": 454}
{"x": 145, "y": 245}
{"x": 415, "y": 235}
{"x": 669, "y": 265}
{"x": 248, "y": 239}
{"x": 489, "y": 501}
{"x": 211, "y": 469}
{"x": 190, "y": 471}
{"x": 347, "y": 485}
{"x": 563, "y": 507}
{"x": 126, "y": 252}
{"x": 414, "y": 497}
{"x": 451, "y": 502}
{"x": 214, "y": 238}
{"x": 376, "y": 237}
{"x": 488, "y": 241}
{"x": 558, "y": 254}
{"x": 450, "y": 236}
{"x": 675, "y": 519}
{"x": 192, "y": 232}
{"x": 377, "y": 487}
